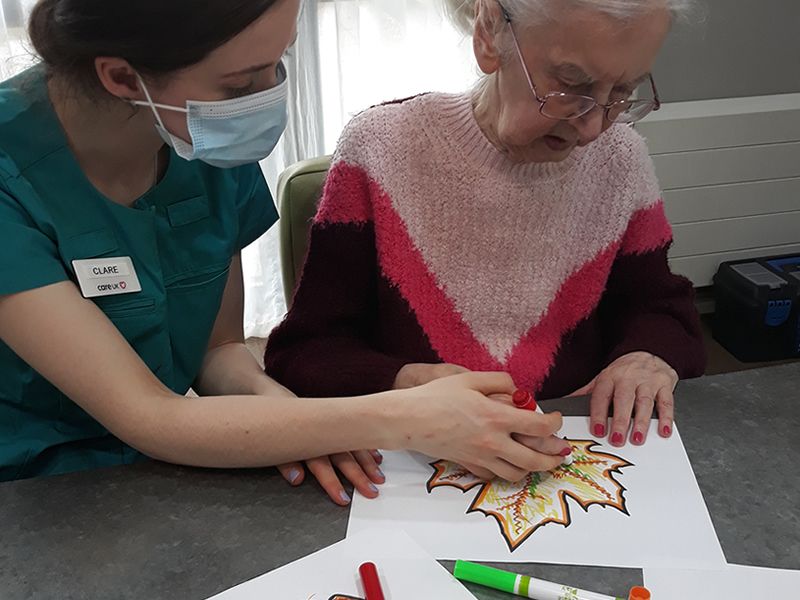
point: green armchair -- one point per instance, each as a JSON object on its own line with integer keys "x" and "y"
{"x": 299, "y": 192}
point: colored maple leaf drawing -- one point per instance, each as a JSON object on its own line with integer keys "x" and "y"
{"x": 523, "y": 507}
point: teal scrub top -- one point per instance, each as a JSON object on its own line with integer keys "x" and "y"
{"x": 181, "y": 237}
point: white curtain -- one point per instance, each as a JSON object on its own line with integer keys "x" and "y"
{"x": 350, "y": 55}
{"x": 372, "y": 51}
{"x": 264, "y": 300}
{"x": 15, "y": 54}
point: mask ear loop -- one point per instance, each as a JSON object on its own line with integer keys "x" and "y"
{"x": 153, "y": 105}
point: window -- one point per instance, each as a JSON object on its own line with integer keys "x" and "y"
{"x": 372, "y": 51}
{"x": 15, "y": 52}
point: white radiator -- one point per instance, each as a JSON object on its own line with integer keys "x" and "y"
{"x": 730, "y": 171}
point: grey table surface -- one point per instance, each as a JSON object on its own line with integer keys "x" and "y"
{"x": 158, "y": 531}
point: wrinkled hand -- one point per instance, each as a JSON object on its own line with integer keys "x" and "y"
{"x": 636, "y": 384}
{"x": 359, "y": 468}
{"x": 416, "y": 374}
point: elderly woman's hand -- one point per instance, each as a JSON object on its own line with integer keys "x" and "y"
{"x": 635, "y": 383}
{"x": 361, "y": 468}
{"x": 416, "y": 374}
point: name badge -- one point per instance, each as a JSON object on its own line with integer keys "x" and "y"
{"x": 106, "y": 276}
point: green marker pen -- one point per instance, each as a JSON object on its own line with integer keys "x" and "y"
{"x": 522, "y": 585}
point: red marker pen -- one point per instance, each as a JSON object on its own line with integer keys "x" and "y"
{"x": 525, "y": 400}
{"x": 371, "y": 581}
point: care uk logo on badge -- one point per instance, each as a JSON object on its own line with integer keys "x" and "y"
{"x": 106, "y": 276}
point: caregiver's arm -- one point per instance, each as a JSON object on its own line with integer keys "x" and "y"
{"x": 70, "y": 342}
{"x": 229, "y": 367}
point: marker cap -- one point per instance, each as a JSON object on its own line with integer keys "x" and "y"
{"x": 524, "y": 399}
{"x": 639, "y": 593}
{"x": 521, "y": 397}
{"x": 371, "y": 581}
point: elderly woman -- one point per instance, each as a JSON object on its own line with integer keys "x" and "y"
{"x": 516, "y": 227}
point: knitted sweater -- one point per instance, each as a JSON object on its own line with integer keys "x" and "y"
{"x": 431, "y": 246}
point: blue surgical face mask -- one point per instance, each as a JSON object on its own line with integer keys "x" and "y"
{"x": 228, "y": 133}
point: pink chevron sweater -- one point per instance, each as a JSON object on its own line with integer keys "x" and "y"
{"x": 431, "y": 246}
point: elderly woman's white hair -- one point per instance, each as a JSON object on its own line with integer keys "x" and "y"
{"x": 532, "y": 12}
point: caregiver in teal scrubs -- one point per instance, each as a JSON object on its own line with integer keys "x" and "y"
{"x": 128, "y": 188}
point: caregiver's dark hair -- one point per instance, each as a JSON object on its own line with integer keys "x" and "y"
{"x": 156, "y": 37}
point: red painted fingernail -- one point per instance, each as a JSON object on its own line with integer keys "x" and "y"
{"x": 617, "y": 438}
{"x": 667, "y": 431}
{"x": 599, "y": 430}
{"x": 566, "y": 451}
{"x": 638, "y": 438}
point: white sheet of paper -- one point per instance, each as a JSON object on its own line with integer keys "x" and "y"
{"x": 405, "y": 570}
{"x": 668, "y": 526}
{"x": 732, "y": 583}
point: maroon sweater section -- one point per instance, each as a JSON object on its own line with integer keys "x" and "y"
{"x": 431, "y": 246}
{"x": 350, "y": 331}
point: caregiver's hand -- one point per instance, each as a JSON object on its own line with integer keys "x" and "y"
{"x": 635, "y": 383}
{"x": 454, "y": 418}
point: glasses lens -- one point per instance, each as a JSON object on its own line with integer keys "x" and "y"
{"x": 630, "y": 112}
{"x": 567, "y": 106}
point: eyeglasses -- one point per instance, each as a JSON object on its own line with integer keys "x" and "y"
{"x": 567, "y": 107}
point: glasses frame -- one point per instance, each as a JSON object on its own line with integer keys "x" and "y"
{"x": 654, "y": 104}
